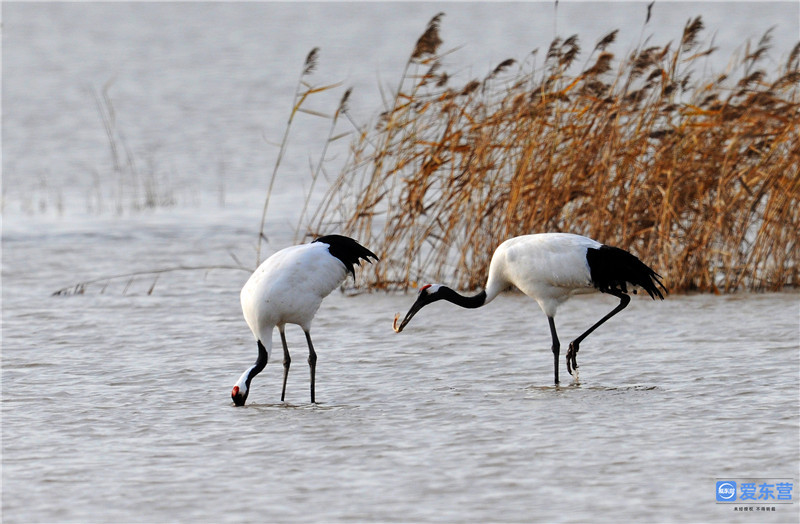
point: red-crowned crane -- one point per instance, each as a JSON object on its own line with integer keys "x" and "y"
{"x": 288, "y": 288}
{"x": 550, "y": 268}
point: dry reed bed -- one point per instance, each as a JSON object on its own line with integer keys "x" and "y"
{"x": 697, "y": 176}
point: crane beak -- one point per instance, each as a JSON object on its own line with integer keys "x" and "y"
{"x": 419, "y": 304}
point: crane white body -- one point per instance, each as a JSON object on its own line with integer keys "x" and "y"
{"x": 288, "y": 288}
{"x": 550, "y": 268}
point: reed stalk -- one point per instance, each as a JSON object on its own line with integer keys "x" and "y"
{"x": 302, "y": 92}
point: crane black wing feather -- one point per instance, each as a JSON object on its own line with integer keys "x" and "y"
{"x": 613, "y": 268}
{"x": 347, "y": 250}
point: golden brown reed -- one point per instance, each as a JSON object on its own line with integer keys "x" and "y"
{"x": 698, "y": 177}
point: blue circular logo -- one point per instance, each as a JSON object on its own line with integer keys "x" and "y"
{"x": 726, "y": 491}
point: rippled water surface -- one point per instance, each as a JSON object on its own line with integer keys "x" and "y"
{"x": 116, "y": 407}
{"x": 115, "y": 402}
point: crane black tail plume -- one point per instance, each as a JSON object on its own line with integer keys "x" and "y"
{"x": 612, "y": 269}
{"x": 347, "y": 250}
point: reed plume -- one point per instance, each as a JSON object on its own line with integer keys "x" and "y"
{"x": 429, "y": 42}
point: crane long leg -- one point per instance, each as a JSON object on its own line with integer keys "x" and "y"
{"x": 287, "y": 361}
{"x": 312, "y": 361}
{"x": 556, "y": 345}
{"x": 572, "y": 363}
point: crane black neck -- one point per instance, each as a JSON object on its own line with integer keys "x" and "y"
{"x": 445, "y": 293}
{"x": 260, "y": 364}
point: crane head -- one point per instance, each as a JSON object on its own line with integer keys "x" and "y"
{"x": 239, "y": 395}
{"x": 427, "y": 294}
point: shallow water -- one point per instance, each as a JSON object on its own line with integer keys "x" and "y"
{"x": 115, "y": 403}
{"x": 116, "y": 407}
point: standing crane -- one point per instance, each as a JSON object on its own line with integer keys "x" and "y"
{"x": 550, "y": 268}
{"x": 288, "y": 288}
